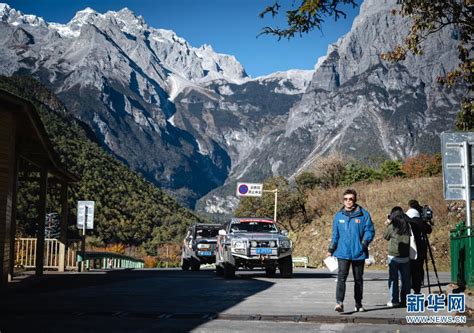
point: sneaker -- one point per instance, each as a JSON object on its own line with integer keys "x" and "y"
{"x": 393, "y": 305}
{"x": 339, "y": 307}
{"x": 359, "y": 308}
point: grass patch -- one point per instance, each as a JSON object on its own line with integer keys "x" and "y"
{"x": 379, "y": 198}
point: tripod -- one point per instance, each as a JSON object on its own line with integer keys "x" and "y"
{"x": 434, "y": 267}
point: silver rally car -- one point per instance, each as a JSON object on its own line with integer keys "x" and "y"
{"x": 253, "y": 242}
{"x": 199, "y": 246}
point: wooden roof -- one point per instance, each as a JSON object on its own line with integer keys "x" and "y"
{"x": 32, "y": 141}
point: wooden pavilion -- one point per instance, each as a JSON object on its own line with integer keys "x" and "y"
{"x": 24, "y": 139}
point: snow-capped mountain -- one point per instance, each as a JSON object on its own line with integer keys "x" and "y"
{"x": 139, "y": 89}
{"x": 191, "y": 120}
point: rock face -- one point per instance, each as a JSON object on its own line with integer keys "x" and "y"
{"x": 191, "y": 120}
{"x": 362, "y": 106}
{"x": 182, "y": 116}
{"x": 359, "y": 105}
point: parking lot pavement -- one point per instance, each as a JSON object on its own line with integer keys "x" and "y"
{"x": 171, "y": 300}
{"x": 312, "y": 292}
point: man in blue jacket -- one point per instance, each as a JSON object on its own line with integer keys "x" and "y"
{"x": 352, "y": 232}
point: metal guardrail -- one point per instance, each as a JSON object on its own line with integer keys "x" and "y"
{"x": 462, "y": 255}
{"x": 109, "y": 260}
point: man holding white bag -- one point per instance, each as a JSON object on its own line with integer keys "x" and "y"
{"x": 352, "y": 232}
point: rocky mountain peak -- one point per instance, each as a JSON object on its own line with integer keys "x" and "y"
{"x": 15, "y": 17}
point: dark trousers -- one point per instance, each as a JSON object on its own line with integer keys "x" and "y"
{"x": 343, "y": 272}
{"x": 417, "y": 274}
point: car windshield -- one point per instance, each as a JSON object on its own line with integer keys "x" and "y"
{"x": 253, "y": 227}
{"x": 207, "y": 233}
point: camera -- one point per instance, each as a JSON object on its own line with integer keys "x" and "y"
{"x": 427, "y": 214}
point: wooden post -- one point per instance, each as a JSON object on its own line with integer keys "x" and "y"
{"x": 63, "y": 234}
{"x": 41, "y": 221}
{"x": 13, "y": 222}
{"x": 7, "y": 166}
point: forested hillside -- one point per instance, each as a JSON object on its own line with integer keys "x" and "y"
{"x": 129, "y": 210}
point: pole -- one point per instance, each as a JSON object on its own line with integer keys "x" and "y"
{"x": 467, "y": 182}
{"x": 276, "y": 203}
{"x": 84, "y": 240}
{"x": 275, "y": 191}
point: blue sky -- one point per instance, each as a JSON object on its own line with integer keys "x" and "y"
{"x": 229, "y": 26}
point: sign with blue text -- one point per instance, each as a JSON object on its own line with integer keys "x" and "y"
{"x": 249, "y": 190}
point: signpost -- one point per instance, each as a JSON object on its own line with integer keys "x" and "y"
{"x": 256, "y": 190}
{"x": 457, "y": 150}
{"x": 85, "y": 220}
{"x": 249, "y": 190}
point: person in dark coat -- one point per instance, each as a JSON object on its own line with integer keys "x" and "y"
{"x": 420, "y": 229}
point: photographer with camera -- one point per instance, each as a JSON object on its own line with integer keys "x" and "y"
{"x": 421, "y": 228}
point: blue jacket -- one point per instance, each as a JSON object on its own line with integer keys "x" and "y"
{"x": 351, "y": 234}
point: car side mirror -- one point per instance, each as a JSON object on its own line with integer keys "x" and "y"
{"x": 222, "y": 232}
{"x": 284, "y": 232}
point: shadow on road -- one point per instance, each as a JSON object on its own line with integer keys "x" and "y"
{"x": 106, "y": 299}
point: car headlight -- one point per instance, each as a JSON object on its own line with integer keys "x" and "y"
{"x": 203, "y": 246}
{"x": 238, "y": 244}
{"x": 254, "y": 244}
{"x": 286, "y": 243}
{"x": 272, "y": 244}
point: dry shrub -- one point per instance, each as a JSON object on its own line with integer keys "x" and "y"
{"x": 329, "y": 170}
{"x": 150, "y": 262}
{"x": 422, "y": 165}
{"x": 378, "y": 198}
{"x": 169, "y": 253}
{"x": 114, "y": 248}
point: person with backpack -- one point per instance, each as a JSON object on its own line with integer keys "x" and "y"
{"x": 420, "y": 229}
{"x": 398, "y": 233}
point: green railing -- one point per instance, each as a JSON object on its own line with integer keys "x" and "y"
{"x": 109, "y": 260}
{"x": 462, "y": 255}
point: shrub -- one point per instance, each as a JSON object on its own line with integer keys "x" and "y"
{"x": 357, "y": 173}
{"x": 329, "y": 171}
{"x": 307, "y": 181}
{"x": 391, "y": 168}
{"x": 422, "y": 165}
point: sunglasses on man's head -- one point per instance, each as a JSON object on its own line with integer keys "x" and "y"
{"x": 349, "y": 199}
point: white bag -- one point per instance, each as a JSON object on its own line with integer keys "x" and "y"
{"x": 413, "y": 249}
{"x": 331, "y": 263}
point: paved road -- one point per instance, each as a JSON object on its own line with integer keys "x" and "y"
{"x": 170, "y": 300}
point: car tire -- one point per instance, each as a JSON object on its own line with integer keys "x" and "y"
{"x": 219, "y": 270}
{"x": 229, "y": 270}
{"x": 286, "y": 267}
{"x": 270, "y": 271}
{"x": 195, "y": 264}
{"x": 185, "y": 264}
